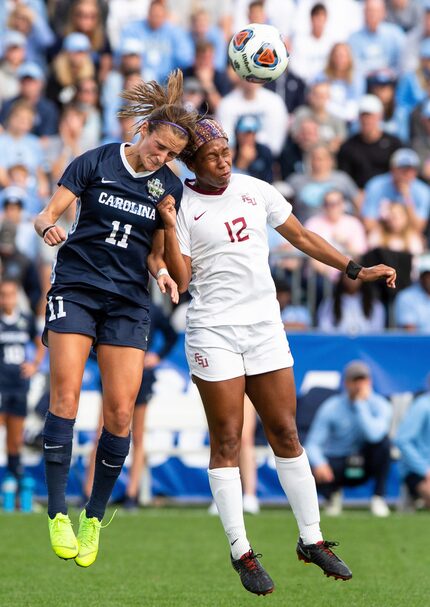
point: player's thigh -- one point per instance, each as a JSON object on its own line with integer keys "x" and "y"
{"x": 68, "y": 354}
{"x": 273, "y": 395}
{"x": 121, "y": 370}
{"x": 223, "y": 404}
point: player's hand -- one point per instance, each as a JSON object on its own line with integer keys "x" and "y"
{"x": 166, "y": 284}
{"x": 28, "y": 369}
{"x": 166, "y": 208}
{"x": 55, "y": 236}
{"x": 323, "y": 473}
{"x": 377, "y": 272}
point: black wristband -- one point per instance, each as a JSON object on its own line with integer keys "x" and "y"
{"x": 353, "y": 269}
{"x": 47, "y": 229}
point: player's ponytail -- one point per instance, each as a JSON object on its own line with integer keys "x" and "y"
{"x": 160, "y": 105}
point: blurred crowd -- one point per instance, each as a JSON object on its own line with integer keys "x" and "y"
{"x": 344, "y": 133}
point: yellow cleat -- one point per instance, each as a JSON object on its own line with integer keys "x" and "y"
{"x": 63, "y": 540}
{"x": 88, "y": 539}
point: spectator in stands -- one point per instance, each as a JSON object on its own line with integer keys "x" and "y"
{"x": 22, "y": 147}
{"x": 17, "y": 331}
{"x": 297, "y": 146}
{"x": 310, "y": 50}
{"x": 69, "y": 143}
{"x": 12, "y": 58}
{"x": 395, "y": 118}
{"x": 39, "y": 36}
{"x": 412, "y": 305}
{"x": 348, "y": 441}
{"x": 214, "y": 82}
{"x": 394, "y": 231}
{"x": 368, "y": 152}
{"x": 320, "y": 176}
{"x": 72, "y": 64}
{"x": 407, "y": 14}
{"x": 291, "y": 88}
{"x": 414, "y": 86}
{"x": 399, "y": 184}
{"x": 251, "y": 98}
{"x": 166, "y": 46}
{"x": 294, "y": 316}
{"x": 413, "y": 441}
{"x": 87, "y": 100}
{"x": 202, "y": 31}
{"x": 339, "y": 228}
{"x": 13, "y": 201}
{"x": 31, "y": 85}
{"x": 420, "y": 141}
{"x": 19, "y": 176}
{"x": 85, "y": 16}
{"x": 16, "y": 266}
{"x": 346, "y": 83}
{"x": 332, "y": 130}
{"x": 249, "y": 156}
{"x": 352, "y": 309}
{"x": 415, "y": 37}
{"x": 194, "y": 95}
{"x": 378, "y": 44}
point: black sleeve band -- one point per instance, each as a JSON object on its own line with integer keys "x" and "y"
{"x": 47, "y": 230}
{"x": 353, "y": 269}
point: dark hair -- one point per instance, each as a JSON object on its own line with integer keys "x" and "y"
{"x": 318, "y": 8}
{"x": 367, "y": 299}
{"x": 156, "y": 104}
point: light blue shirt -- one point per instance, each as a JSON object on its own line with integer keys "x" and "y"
{"x": 412, "y": 307}
{"x": 377, "y": 50}
{"x": 341, "y": 428}
{"x": 413, "y": 438}
{"x": 165, "y": 49}
{"x": 26, "y": 150}
{"x": 409, "y": 92}
{"x": 381, "y": 188}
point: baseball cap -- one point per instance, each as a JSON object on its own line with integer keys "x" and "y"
{"x": 14, "y": 38}
{"x": 356, "y": 369}
{"x": 248, "y": 123}
{"x": 404, "y": 157}
{"x": 423, "y": 263}
{"x": 29, "y": 69}
{"x": 131, "y": 46}
{"x": 425, "y": 48}
{"x": 381, "y": 78}
{"x": 13, "y": 195}
{"x": 370, "y": 104}
{"x": 76, "y": 42}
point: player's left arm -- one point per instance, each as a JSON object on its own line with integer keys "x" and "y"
{"x": 158, "y": 269}
{"x": 316, "y": 247}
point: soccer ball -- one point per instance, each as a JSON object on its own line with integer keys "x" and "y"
{"x": 257, "y": 53}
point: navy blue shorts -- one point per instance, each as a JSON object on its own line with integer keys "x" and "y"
{"x": 412, "y": 480}
{"x": 13, "y": 403}
{"x": 107, "y": 318}
{"x": 146, "y": 387}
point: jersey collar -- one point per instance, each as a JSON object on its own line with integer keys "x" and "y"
{"x": 128, "y": 166}
{"x": 190, "y": 183}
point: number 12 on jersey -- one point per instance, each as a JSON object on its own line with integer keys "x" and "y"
{"x": 236, "y": 235}
{"x": 112, "y": 239}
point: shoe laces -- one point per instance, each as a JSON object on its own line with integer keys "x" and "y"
{"x": 249, "y": 560}
{"x": 61, "y": 521}
{"x": 326, "y": 546}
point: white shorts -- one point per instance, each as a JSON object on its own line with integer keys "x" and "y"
{"x": 219, "y": 353}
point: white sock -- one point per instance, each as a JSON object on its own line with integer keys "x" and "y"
{"x": 226, "y": 489}
{"x": 297, "y": 481}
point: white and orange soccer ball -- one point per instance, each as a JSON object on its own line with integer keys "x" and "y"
{"x": 257, "y": 53}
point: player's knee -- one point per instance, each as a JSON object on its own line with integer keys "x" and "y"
{"x": 65, "y": 404}
{"x": 227, "y": 446}
{"x": 285, "y": 437}
{"x": 118, "y": 421}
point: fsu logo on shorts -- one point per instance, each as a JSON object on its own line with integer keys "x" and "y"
{"x": 247, "y": 198}
{"x": 155, "y": 187}
{"x": 201, "y": 360}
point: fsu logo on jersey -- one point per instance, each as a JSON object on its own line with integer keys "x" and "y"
{"x": 155, "y": 187}
{"x": 247, "y": 198}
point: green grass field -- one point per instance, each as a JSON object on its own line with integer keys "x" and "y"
{"x": 179, "y": 557}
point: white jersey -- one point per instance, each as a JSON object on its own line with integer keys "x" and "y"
{"x": 225, "y": 236}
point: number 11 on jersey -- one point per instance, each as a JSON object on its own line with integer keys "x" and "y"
{"x": 112, "y": 238}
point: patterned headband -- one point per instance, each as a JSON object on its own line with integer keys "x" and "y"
{"x": 181, "y": 128}
{"x": 206, "y": 130}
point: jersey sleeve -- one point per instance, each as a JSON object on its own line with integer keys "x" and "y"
{"x": 77, "y": 176}
{"x": 183, "y": 233}
{"x": 278, "y": 209}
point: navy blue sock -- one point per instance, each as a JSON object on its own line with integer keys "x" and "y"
{"x": 14, "y": 466}
{"x": 110, "y": 457}
{"x": 57, "y": 451}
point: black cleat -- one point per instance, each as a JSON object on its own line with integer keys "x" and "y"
{"x": 321, "y": 554}
{"x": 252, "y": 574}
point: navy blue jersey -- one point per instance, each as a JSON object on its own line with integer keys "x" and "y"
{"x": 16, "y": 332}
{"x": 109, "y": 242}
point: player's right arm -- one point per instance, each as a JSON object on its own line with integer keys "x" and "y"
{"x": 179, "y": 265}
{"x": 45, "y": 222}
